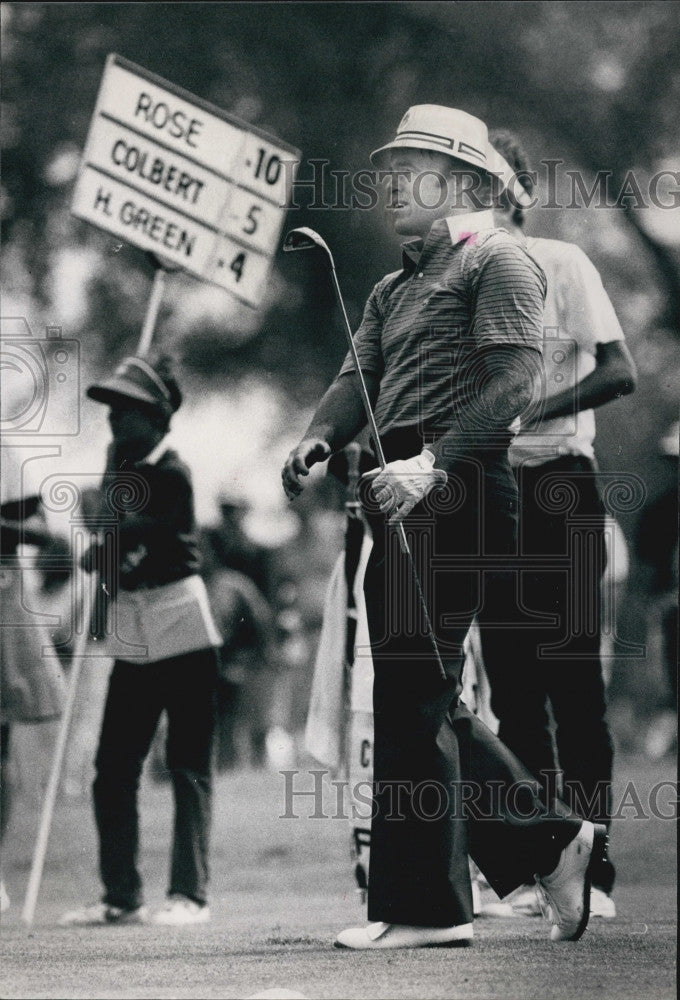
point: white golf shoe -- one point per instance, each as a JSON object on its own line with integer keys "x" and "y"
{"x": 101, "y": 914}
{"x": 180, "y": 911}
{"x": 382, "y": 935}
{"x": 601, "y": 905}
{"x": 565, "y": 893}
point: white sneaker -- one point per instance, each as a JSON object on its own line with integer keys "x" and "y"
{"x": 485, "y": 901}
{"x": 524, "y": 902}
{"x": 180, "y": 911}
{"x": 99, "y": 914}
{"x": 497, "y": 908}
{"x": 382, "y": 935}
{"x": 280, "y": 749}
{"x": 601, "y": 905}
{"x": 4, "y": 898}
{"x": 565, "y": 893}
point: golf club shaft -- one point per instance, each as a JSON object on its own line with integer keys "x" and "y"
{"x": 362, "y": 384}
{"x": 403, "y": 541}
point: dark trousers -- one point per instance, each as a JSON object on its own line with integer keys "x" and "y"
{"x": 183, "y": 686}
{"x": 444, "y": 785}
{"x": 541, "y": 645}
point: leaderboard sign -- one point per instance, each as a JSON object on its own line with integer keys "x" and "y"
{"x": 178, "y": 177}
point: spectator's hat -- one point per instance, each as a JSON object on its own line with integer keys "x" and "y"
{"x": 453, "y": 132}
{"x": 138, "y": 380}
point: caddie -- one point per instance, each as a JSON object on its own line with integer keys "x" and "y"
{"x": 450, "y": 348}
{"x": 168, "y": 660}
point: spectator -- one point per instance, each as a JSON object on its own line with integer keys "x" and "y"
{"x": 657, "y": 548}
{"x": 587, "y": 364}
{"x": 31, "y": 681}
{"x": 247, "y": 672}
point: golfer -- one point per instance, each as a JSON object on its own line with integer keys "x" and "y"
{"x": 450, "y": 347}
{"x": 168, "y": 661}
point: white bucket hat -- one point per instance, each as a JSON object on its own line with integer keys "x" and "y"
{"x": 443, "y": 130}
{"x": 455, "y": 133}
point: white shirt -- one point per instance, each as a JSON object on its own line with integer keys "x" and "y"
{"x": 578, "y": 316}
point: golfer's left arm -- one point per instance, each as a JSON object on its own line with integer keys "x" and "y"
{"x": 506, "y": 385}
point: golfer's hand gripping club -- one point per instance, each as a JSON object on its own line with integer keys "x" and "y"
{"x": 400, "y": 485}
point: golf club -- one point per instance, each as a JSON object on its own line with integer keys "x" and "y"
{"x": 304, "y": 238}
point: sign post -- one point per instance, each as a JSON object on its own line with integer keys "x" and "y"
{"x": 152, "y": 310}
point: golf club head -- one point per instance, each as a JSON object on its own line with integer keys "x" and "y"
{"x": 304, "y": 239}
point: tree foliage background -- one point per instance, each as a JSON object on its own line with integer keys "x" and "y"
{"x": 594, "y": 85}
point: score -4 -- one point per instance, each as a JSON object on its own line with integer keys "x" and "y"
{"x": 241, "y": 270}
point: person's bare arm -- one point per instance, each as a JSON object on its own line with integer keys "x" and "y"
{"x": 614, "y": 375}
{"x": 338, "y": 419}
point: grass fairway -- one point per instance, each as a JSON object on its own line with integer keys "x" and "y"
{"x": 283, "y": 887}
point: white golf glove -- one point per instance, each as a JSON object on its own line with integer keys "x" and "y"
{"x": 403, "y": 484}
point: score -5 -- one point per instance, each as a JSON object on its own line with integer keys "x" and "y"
{"x": 252, "y": 220}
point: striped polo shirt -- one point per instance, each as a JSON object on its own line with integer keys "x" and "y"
{"x": 468, "y": 287}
